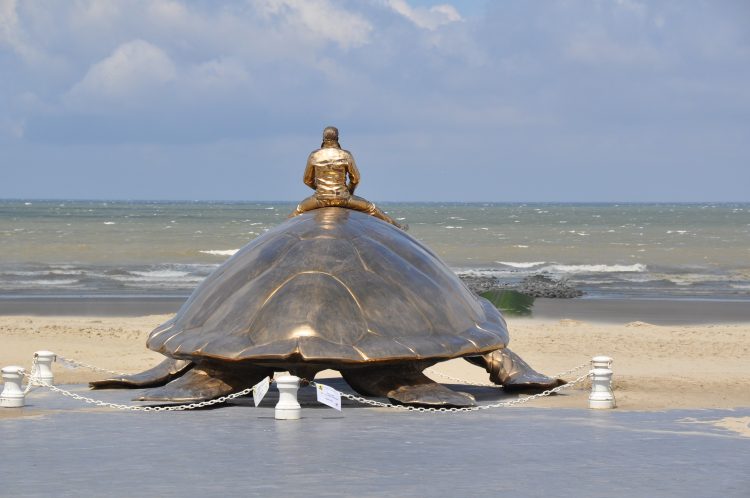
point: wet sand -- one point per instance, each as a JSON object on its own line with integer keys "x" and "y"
{"x": 656, "y": 311}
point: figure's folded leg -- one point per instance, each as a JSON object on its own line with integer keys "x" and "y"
{"x": 308, "y": 204}
{"x": 360, "y": 204}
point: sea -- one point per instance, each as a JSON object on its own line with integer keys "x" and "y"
{"x": 92, "y": 249}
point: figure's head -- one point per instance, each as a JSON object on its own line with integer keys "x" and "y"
{"x": 331, "y": 137}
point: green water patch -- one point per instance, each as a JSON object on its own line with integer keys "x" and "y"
{"x": 510, "y": 302}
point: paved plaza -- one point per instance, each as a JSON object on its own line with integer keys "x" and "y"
{"x": 61, "y": 447}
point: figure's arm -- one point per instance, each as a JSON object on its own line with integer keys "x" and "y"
{"x": 353, "y": 175}
{"x": 309, "y": 177}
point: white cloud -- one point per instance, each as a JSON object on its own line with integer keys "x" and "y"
{"x": 432, "y": 18}
{"x": 133, "y": 71}
{"x": 12, "y": 34}
{"x": 217, "y": 76}
{"x": 322, "y": 19}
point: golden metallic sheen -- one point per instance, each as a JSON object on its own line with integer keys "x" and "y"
{"x": 337, "y": 289}
{"x": 327, "y": 171}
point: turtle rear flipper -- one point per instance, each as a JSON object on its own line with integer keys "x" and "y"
{"x": 159, "y": 375}
{"x": 202, "y": 383}
{"x": 405, "y": 384}
{"x": 506, "y": 368}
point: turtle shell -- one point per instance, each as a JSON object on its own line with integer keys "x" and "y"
{"x": 332, "y": 286}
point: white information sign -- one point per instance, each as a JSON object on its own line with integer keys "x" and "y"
{"x": 261, "y": 388}
{"x": 329, "y": 396}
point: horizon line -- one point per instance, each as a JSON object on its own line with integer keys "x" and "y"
{"x": 281, "y": 201}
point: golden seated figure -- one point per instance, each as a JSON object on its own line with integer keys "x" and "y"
{"x": 327, "y": 171}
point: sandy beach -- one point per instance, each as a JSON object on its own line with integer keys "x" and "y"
{"x": 657, "y": 367}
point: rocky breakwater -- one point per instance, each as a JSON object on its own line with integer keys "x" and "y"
{"x": 540, "y": 285}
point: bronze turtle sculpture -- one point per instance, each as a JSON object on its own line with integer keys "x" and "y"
{"x": 333, "y": 289}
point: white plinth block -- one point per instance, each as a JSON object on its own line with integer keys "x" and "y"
{"x": 12, "y": 395}
{"x": 601, "y": 397}
{"x": 288, "y": 408}
{"x": 43, "y": 372}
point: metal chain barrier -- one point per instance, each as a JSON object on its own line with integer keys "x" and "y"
{"x": 502, "y": 404}
{"x": 31, "y": 377}
{"x": 574, "y": 369}
{"x": 79, "y": 364}
{"x": 490, "y": 384}
{"x": 138, "y": 408}
{"x": 32, "y": 381}
{"x": 462, "y": 381}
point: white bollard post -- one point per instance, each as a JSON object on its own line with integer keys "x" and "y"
{"x": 12, "y": 395}
{"x": 43, "y": 372}
{"x": 288, "y": 408}
{"x": 601, "y": 397}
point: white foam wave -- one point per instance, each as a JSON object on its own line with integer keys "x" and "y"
{"x": 47, "y": 282}
{"x": 42, "y": 273}
{"x": 529, "y": 264}
{"x": 557, "y": 268}
{"x": 221, "y": 252}
{"x": 161, "y": 274}
{"x": 110, "y": 223}
{"x": 473, "y": 272}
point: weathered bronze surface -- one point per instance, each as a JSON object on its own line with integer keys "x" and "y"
{"x": 331, "y": 288}
{"x": 327, "y": 171}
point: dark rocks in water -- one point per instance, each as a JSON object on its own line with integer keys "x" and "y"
{"x": 544, "y": 286}
{"x": 479, "y": 284}
{"x": 539, "y": 285}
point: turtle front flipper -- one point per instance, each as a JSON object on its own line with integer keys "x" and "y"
{"x": 203, "y": 382}
{"x": 159, "y": 375}
{"x": 405, "y": 385}
{"x": 506, "y": 368}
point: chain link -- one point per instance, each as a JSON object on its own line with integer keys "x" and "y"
{"x": 574, "y": 369}
{"x": 462, "y": 381}
{"x": 490, "y": 384}
{"x": 32, "y": 381}
{"x": 80, "y": 364}
{"x": 32, "y": 376}
{"x": 138, "y": 408}
{"x": 502, "y": 404}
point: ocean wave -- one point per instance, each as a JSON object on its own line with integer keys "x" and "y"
{"x": 40, "y": 281}
{"x": 221, "y": 252}
{"x": 523, "y": 265}
{"x": 161, "y": 274}
{"x": 487, "y": 272}
{"x": 559, "y": 268}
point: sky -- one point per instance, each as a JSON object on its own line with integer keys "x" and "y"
{"x": 485, "y": 100}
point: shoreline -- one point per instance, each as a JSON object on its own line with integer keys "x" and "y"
{"x": 598, "y": 310}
